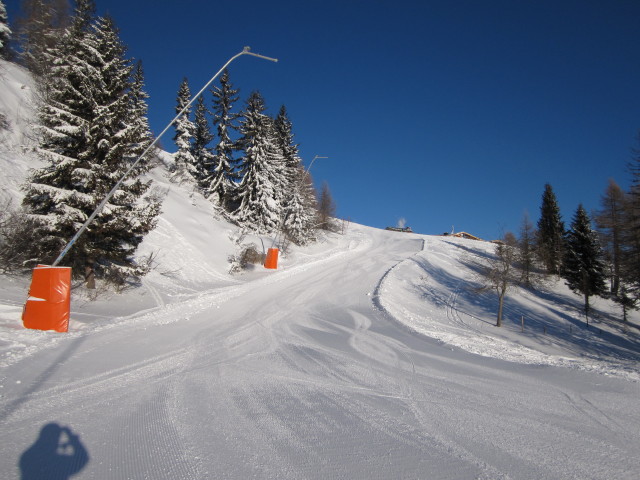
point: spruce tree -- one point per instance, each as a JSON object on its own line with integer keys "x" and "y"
{"x": 200, "y": 150}
{"x": 284, "y": 141}
{"x": 525, "y": 251}
{"x": 5, "y": 31}
{"x": 300, "y": 212}
{"x": 220, "y": 184}
{"x": 583, "y": 267}
{"x": 119, "y": 135}
{"x": 184, "y": 128}
{"x": 550, "y": 232}
{"x": 59, "y": 195}
{"x": 139, "y": 135}
{"x": 89, "y": 143}
{"x": 630, "y": 266}
{"x": 258, "y": 199}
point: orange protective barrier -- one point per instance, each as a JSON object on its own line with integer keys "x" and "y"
{"x": 272, "y": 258}
{"x": 49, "y": 302}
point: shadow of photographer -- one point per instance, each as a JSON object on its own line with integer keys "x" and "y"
{"x": 57, "y": 454}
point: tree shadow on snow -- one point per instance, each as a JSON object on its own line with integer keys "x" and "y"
{"x": 555, "y": 321}
{"x": 454, "y": 288}
{"x": 560, "y": 321}
{"x": 476, "y": 252}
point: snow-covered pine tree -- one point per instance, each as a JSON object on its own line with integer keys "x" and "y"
{"x": 184, "y": 128}
{"x": 59, "y": 195}
{"x": 299, "y": 211}
{"x": 550, "y": 232}
{"x": 119, "y": 136}
{"x": 220, "y": 184}
{"x": 200, "y": 150}
{"x": 259, "y": 194}
{"x": 583, "y": 266}
{"x": 284, "y": 140}
{"x": 139, "y": 131}
{"x": 5, "y": 30}
{"x": 88, "y": 141}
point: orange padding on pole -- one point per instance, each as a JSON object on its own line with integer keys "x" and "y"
{"x": 272, "y": 258}
{"x": 49, "y": 303}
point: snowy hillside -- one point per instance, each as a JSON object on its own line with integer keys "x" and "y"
{"x": 17, "y": 99}
{"x": 433, "y": 294}
{"x": 364, "y": 355}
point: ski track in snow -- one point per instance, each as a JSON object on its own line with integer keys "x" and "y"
{"x": 304, "y": 374}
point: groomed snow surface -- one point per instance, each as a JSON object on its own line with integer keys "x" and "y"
{"x": 367, "y": 355}
{"x": 352, "y": 360}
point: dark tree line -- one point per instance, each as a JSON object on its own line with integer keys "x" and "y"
{"x": 92, "y": 126}
{"x": 602, "y": 261}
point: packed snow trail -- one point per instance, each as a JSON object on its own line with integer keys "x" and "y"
{"x": 299, "y": 375}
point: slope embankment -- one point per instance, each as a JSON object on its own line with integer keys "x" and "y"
{"x": 435, "y": 293}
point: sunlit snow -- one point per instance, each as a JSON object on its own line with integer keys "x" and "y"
{"x": 365, "y": 355}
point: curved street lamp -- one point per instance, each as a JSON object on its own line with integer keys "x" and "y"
{"x": 314, "y": 159}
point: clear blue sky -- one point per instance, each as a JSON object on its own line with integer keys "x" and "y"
{"x": 451, "y": 112}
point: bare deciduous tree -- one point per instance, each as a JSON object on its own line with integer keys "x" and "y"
{"x": 610, "y": 221}
{"x": 326, "y": 208}
{"x": 500, "y": 272}
{"x": 39, "y": 29}
{"x": 16, "y": 230}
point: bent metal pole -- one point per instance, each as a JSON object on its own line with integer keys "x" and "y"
{"x": 245, "y": 51}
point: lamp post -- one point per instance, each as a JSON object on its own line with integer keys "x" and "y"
{"x": 49, "y": 303}
{"x": 314, "y": 159}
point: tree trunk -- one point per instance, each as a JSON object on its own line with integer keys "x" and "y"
{"x": 500, "y": 305}
{"x": 615, "y": 284}
{"x": 89, "y": 276}
{"x": 586, "y": 307}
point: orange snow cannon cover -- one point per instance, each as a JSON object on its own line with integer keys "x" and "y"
{"x": 49, "y": 303}
{"x": 272, "y": 258}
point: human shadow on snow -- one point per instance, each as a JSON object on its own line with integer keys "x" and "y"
{"x": 57, "y": 454}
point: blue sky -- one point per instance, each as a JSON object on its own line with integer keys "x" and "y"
{"x": 444, "y": 113}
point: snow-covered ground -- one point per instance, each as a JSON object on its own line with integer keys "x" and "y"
{"x": 364, "y": 355}
{"x": 434, "y": 293}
